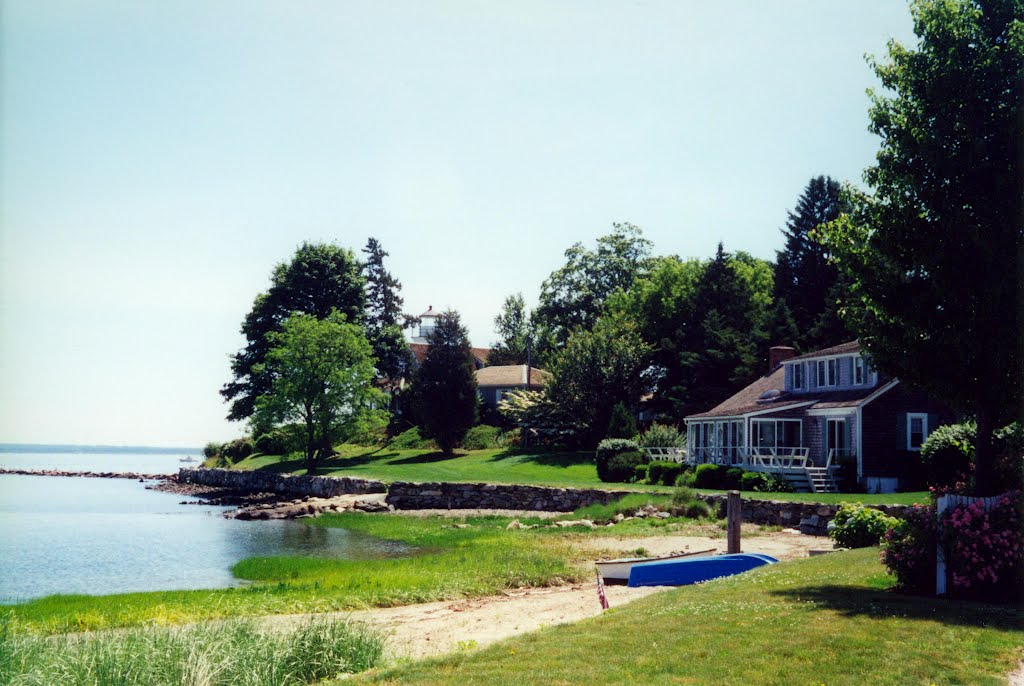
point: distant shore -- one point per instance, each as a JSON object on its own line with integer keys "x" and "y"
{"x": 139, "y": 476}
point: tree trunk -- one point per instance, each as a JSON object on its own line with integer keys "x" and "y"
{"x": 310, "y": 445}
{"x": 984, "y": 453}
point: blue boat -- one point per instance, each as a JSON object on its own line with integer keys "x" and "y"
{"x": 695, "y": 569}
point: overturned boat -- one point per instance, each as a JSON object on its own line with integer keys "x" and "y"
{"x": 693, "y": 570}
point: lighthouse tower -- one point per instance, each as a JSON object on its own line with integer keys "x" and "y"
{"x": 427, "y": 321}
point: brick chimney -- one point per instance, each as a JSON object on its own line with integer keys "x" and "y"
{"x": 778, "y": 354}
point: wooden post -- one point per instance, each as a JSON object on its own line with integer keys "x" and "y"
{"x": 734, "y": 515}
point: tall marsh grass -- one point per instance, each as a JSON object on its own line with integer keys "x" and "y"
{"x": 235, "y": 653}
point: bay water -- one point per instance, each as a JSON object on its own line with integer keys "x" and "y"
{"x": 99, "y": 536}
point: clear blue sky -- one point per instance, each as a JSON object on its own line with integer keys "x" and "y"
{"x": 157, "y": 159}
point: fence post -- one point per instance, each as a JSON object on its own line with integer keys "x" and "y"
{"x": 734, "y": 515}
{"x": 941, "y": 505}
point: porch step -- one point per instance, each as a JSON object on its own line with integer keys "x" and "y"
{"x": 821, "y": 480}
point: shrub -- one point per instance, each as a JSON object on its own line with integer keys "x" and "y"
{"x": 409, "y": 439}
{"x": 686, "y": 503}
{"x": 609, "y": 448}
{"x": 773, "y": 483}
{"x": 709, "y": 476}
{"x": 236, "y": 450}
{"x": 281, "y": 440}
{"x": 985, "y": 550}
{"x": 948, "y": 456}
{"x": 481, "y": 437}
{"x": 211, "y": 450}
{"x": 733, "y": 475}
{"x": 752, "y": 481}
{"x": 622, "y": 424}
{"x": 640, "y": 474}
{"x": 663, "y": 472}
{"x": 685, "y": 480}
{"x": 661, "y": 436}
{"x": 1009, "y": 448}
{"x": 512, "y": 438}
{"x": 857, "y": 526}
{"x": 908, "y": 550}
{"x": 622, "y": 467}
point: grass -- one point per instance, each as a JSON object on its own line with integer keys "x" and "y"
{"x": 222, "y": 654}
{"x": 503, "y": 466}
{"x": 825, "y": 620}
{"x": 482, "y": 559}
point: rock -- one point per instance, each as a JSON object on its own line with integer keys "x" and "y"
{"x": 460, "y": 525}
{"x": 620, "y": 517}
{"x": 662, "y": 515}
{"x": 514, "y": 524}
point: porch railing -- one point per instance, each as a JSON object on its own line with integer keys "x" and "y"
{"x": 837, "y": 455}
{"x": 667, "y": 454}
{"x": 766, "y": 459}
{"x": 776, "y": 458}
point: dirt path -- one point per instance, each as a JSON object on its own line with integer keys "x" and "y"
{"x": 429, "y": 629}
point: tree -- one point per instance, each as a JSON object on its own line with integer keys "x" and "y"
{"x": 444, "y": 387}
{"x": 322, "y": 377}
{"x": 622, "y": 423}
{"x": 513, "y": 327}
{"x": 721, "y": 354}
{"x": 573, "y": 296}
{"x": 805, "y": 278}
{"x": 319, "y": 279}
{"x": 934, "y": 254}
{"x": 385, "y": 321}
{"x": 598, "y": 368}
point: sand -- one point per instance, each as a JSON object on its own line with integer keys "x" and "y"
{"x": 430, "y": 629}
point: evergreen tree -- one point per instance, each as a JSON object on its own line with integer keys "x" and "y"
{"x": 622, "y": 423}
{"x": 319, "y": 279}
{"x": 383, "y": 313}
{"x": 804, "y": 277}
{"x": 720, "y": 356}
{"x": 444, "y": 386}
{"x": 512, "y": 326}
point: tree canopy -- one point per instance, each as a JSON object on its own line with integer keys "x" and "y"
{"x": 321, "y": 375}
{"x": 573, "y": 296}
{"x": 933, "y": 253}
{"x": 319, "y": 279}
{"x": 384, "y": 319}
{"x": 513, "y": 328}
{"x": 444, "y": 386}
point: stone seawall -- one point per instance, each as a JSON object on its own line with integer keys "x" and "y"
{"x": 451, "y": 496}
{"x": 810, "y": 518}
{"x": 269, "y": 482}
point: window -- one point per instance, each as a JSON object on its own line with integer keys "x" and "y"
{"x": 917, "y": 430}
{"x": 798, "y": 377}
{"x": 828, "y": 372}
{"x": 776, "y": 433}
{"x": 859, "y": 372}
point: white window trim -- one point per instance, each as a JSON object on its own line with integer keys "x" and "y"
{"x": 859, "y": 366}
{"x": 923, "y": 416}
{"x": 803, "y": 377}
{"x": 755, "y": 422}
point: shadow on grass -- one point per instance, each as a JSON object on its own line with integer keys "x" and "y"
{"x": 552, "y": 459}
{"x": 333, "y": 463}
{"x": 427, "y": 458}
{"x": 851, "y": 601}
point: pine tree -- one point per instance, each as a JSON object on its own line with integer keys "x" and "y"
{"x": 622, "y": 423}
{"x": 444, "y": 386}
{"x": 804, "y": 278}
{"x": 383, "y": 311}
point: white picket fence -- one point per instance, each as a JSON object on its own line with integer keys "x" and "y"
{"x": 944, "y": 503}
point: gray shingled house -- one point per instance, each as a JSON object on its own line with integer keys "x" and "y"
{"x": 813, "y": 414}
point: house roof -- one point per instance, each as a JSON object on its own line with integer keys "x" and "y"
{"x": 510, "y": 375}
{"x": 841, "y": 349}
{"x": 419, "y": 350}
{"x": 746, "y": 401}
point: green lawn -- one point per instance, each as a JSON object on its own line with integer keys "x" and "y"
{"x": 566, "y": 469}
{"x": 826, "y": 620}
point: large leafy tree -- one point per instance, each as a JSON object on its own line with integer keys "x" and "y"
{"x": 573, "y": 296}
{"x": 321, "y": 375}
{"x": 805, "y": 278}
{"x": 384, "y": 320}
{"x": 319, "y": 279}
{"x": 444, "y": 386}
{"x": 934, "y": 252}
{"x": 513, "y": 328}
{"x": 598, "y": 368}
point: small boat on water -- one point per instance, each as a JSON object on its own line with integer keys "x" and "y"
{"x": 617, "y": 571}
{"x": 187, "y": 459}
{"x": 695, "y": 569}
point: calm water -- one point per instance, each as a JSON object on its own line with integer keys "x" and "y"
{"x": 97, "y": 536}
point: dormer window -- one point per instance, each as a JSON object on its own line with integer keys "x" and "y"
{"x": 828, "y": 372}
{"x": 798, "y": 377}
{"x": 859, "y": 371}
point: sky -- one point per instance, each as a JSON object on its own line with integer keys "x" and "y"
{"x": 158, "y": 159}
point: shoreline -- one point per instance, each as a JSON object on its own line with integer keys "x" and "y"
{"x": 139, "y": 476}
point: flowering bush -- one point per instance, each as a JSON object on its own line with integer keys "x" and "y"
{"x": 985, "y": 550}
{"x": 857, "y": 526}
{"x": 908, "y": 550}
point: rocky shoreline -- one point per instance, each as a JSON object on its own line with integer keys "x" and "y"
{"x": 138, "y": 476}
